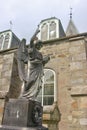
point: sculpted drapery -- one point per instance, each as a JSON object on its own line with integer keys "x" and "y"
{"x": 31, "y": 55}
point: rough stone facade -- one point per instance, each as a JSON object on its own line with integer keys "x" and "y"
{"x": 6, "y": 62}
{"x": 69, "y": 61}
{"x": 9, "y": 79}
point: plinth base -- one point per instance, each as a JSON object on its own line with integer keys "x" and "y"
{"x": 22, "y": 128}
{"x": 22, "y": 113}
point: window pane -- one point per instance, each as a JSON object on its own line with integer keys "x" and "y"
{"x": 49, "y": 89}
{"x": 44, "y": 31}
{"x": 52, "y": 30}
{"x": 48, "y": 77}
{"x": 48, "y": 100}
{"x": 6, "y": 42}
{"x": 7, "y": 37}
{"x": 5, "y": 45}
{"x": 46, "y": 94}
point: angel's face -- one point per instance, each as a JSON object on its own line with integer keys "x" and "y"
{"x": 38, "y": 46}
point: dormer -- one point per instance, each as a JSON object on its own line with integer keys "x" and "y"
{"x": 8, "y": 40}
{"x": 50, "y": 28}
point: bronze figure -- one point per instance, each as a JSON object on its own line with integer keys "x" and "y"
{"x": 31, "y": 55}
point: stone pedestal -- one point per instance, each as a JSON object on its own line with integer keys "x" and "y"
{"x": 22, "y": 128}
{"x": 22, "y": 114}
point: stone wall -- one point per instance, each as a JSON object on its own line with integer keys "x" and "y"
{"x": 68, "y": 60}
{"x": 10, "y": 84}
{"x": 77, "y": 117}
{"x": 6, "y": 62}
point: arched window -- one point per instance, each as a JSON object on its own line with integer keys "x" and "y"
{"x": 6, "y": 41}
{"x": 46, "y": 94}
{"x": 44, "y": 31}
{"x": 52, "y": 30}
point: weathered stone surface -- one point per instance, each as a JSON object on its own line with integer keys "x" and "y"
{"x": 6, "y": 63}
{"x": 83, "y": 103}
{"x": 69, "y": 62}
{"x": 83, "y": 121}
{"x": 2, "y": 102}
{"x": 3, "y": 94}
{"x": 76, "y": 66}
{"x": 77, "y": 81}
{"x": 74, "y": 105}
{"x": 22, "y": 128}
{"x": 77, "y": 113}
{"x": 79, "y": 57}
{"x": 5, "y": 78}
{"x": 79, "y": 90}
{"x": 23, "y": 113}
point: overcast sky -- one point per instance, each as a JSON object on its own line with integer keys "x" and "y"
{"x": 27, "y": 14}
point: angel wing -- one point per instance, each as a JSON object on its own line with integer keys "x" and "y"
{"x": 22, "y": 58}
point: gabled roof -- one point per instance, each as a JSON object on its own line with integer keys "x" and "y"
{"x": 71, "y": 28}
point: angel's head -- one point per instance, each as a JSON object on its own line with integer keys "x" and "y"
{"x": 38, "y": 44}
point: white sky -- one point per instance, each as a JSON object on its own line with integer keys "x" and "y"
{"x": 27, "y": 14}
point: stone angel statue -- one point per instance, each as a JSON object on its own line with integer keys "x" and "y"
{"x": 32, "y": 78}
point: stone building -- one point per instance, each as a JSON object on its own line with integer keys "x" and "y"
{"x": 64, "y": 90}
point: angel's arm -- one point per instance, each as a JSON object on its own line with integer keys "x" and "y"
{"x": 46, "y": 59}
{"x": 34, "y": 38}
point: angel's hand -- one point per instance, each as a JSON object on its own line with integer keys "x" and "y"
{"x": 46, "y": 59}
{"x": 37, "y": 31}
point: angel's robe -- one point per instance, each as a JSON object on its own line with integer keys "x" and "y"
{"x": 34, "y": 83}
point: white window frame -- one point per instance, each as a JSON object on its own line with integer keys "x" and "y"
{"x": 9, "y": 42}
{"x": 55, "y": 90}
